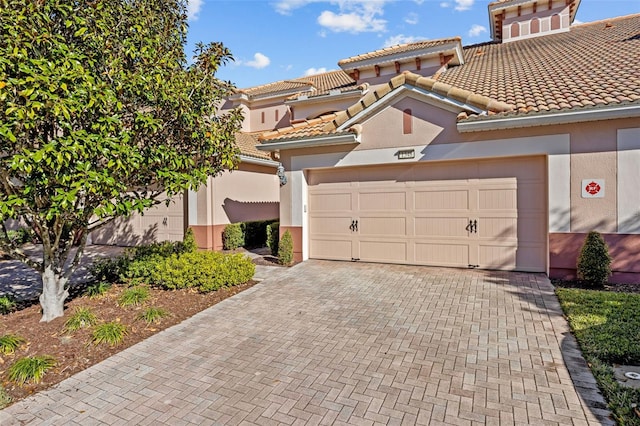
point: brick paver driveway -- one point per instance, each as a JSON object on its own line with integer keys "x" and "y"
{"x": 343, "y": 343}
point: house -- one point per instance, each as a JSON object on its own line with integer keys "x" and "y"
{"x": 500, "y": 155}
{"x": 251, "y": 192}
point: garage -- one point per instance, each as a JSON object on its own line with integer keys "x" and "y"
{"x": 160, "y": 223}
{"x": 488, "y": 214}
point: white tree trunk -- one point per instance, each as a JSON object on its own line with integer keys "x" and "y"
{"x": 53, "y": 294}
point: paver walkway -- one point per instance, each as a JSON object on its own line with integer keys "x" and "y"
{"x": 344, "y": 343}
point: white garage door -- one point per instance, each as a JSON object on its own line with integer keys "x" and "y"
{"x": 160, "y": 223}
{"x": 486, "y": 214}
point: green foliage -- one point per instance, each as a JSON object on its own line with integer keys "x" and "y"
{"x": 97, "y": 289}
{"x": 255, "y": 232}
{"x": 594, "y": 262}
{"x": 10, "y": 342}
{"x": 607, "y": 327}
{"x": 232, "y": 236}
{"x": 97, "y": 98}
{"x": 134, "y": 296}
{"x": 30, "y": 369}
{"x": 81, "y": 318}
{"x": 109, "y": 270}
{"x": 5, "y": 399}
{"x": 189, "y": 242}
{"x": 206, "y": 271}
{"x": 273, "y": 236}
{"x": 285, "y": 249}
{"x": 152, "y": 315}
{"x": 20, "y": 236}
{"x": 7, "y": 304}
{"x": 111, "y": 333}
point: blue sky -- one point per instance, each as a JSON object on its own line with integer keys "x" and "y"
{"x": 280, "y": 39}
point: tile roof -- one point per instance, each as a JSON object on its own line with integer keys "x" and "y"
{"x": 593, "y": 64}
{"x": 328, "y": 124}
{"x": 398, "y": 49}
{"x": 319, "y": 84}
{"x": 247, "y": 144}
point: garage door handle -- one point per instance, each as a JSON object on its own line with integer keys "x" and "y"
{"x": 354, "y": 226}
{"x": 474, "y": 228}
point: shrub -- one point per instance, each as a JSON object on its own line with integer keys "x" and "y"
{"x": 30, "y": 369}
{"x": 206, "y": 271}
{"x": 273, "y": 235}
{"x": 152, "y": 315}
{"x": 81, "y": 318}
{"x": 285, "y": 249}
{"x": 111, "y": 333}
{"x": 21, "y": 236}
{"x": 7, "y": 304}
{"x": 232, "y": 236}
{"x": 10, "y": 342}
{"x": 594, "y": 262}
{"x": 97, "y": 289}
{"x": 5, "y": 399}
{"x": 189, "y": 242}
{"x": 134, "y": 296}
{"x": 109, "y": 270}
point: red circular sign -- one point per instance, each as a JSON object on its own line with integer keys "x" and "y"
{"x": 593, "y": 188}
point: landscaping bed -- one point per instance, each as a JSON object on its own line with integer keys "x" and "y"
{"x": 606, "y": 324}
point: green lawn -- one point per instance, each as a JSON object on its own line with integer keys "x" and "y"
{"x": 607, "y": 326}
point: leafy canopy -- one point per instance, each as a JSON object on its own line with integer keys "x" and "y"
{"x": 100, "y": 111}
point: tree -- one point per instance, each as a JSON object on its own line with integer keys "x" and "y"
{"x": 594, "y": 261}
{"x": 101, "y": 112}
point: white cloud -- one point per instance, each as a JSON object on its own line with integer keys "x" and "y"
{"x": 351, "y": 22}
{"x": 259, "y": 61}
{"x": 476, "y": 30}
{"x": 193, "y": 8}
{"x": 284, "y": 7}
{"x": 577, "y": 22}
{"x": 314, "y": 71}
{"x": 411, "y": 18}
{"x": 401, "y": 39}
{"x": 462, "y": 5}
{"x": 445, "y": 4}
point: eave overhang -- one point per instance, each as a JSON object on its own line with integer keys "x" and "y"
{"x": 258, "y": 161}
{"x": 349, "y": 138}
{"x": 489, "y": 123}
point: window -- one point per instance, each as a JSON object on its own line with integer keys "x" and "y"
{"x": 555, "y": 22}
{"x": 515, "y": 30}
{"x": 407, "y": 123}
{"x": 535, "y": 26}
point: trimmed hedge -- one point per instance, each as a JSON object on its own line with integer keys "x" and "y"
{"x": 285, "y": 249}
{"x": 232, "y": 236}
{"x": 594, "y": 262}
{"x": 206, "y": 271}
{"x": 273, "y": 237}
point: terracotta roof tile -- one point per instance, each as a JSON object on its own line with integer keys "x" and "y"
{"x": 300, "y": 130}
{"x": 319, "y": 84}
{"x": 593, "y": 64}
{"x": 398, "y": 49}
{"x": 247, "y": 144}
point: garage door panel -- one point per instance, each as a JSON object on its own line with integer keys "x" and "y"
{"x": 497, "y": 227}
{"x": 498, "y": 256}
{"x": 527, "y": 257}
{"x": 497, "y": 199}
{"x": 382, "y": 201}
{"x": 333, "y": 249}
{"x": 441, "y": 227}
{"x": 441, "y": 199}
{"x": 383, "y": 251}
{"x": 368, "y": 226}
{"x": 443, "y": 253}
{"x": 330, "y": 202}
{"x": 532, "y": 229}
{"x": 328, "y": 225}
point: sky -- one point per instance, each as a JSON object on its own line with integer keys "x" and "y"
{"x": 275, "y": 40}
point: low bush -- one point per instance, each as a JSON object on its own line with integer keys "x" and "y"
{"x": 232, "y": 236}
{"x": 134, "y": 296}
{"x": 97, "y": 289}
{"x": 30, "y": 369}
{"x": 9, "y": 343}
{"x": 206, "y": 271}
{"x": 111, "y": 333}
{"x": 152, "y": 315}
{"x": 285, "y": 249}
{"x": 7, "y": 304}
{"x": 273, "y": 236}
{"x": 189, "y": 242}
{"x": 81, "y": 318}
{"x": 594, "y": 262}
{"x": 109, "y": 270}
{"x": 5, "y": 399}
